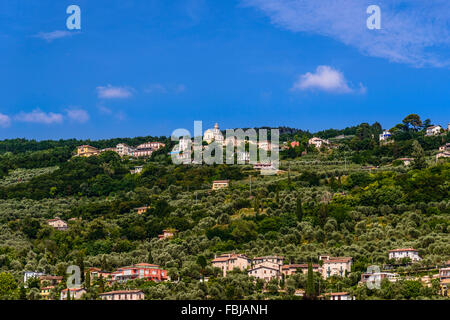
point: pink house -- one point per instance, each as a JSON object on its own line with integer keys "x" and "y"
{"x": 123, "y": 295}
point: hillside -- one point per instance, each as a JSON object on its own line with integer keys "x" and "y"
{"x": 355, "y": 199}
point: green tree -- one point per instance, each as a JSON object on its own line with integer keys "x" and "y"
{"x": 299, "y": 209}
{"x": 87, "y": 280}
{"x": 8, "y": 286}
{"x": 419, "y": 156}
{"x": 310, "y": 292}
{"x": 412, "y": 120}
{"x": 202, "y": 262}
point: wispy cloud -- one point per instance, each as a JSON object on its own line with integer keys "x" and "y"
{"x": 77, "y": 115}
{"x": 415, "y": 32}
{"x": 110, "y": 92}
{"x": 325, "y": 78}
{"x": 163, "y": 89}
{"x": 38, "y": 116}
{"x": 155, "y": 88}
{"x": 5, "y": 120}
{"x": 53, "y": 35}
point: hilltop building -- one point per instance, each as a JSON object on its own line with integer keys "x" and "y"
{"x": 385, "y": 135}
{"x": 214, "y": 135}
{"x": 318, "y": 142}
{"x": 433, "y": 131}
{"x": 87, "y": 151}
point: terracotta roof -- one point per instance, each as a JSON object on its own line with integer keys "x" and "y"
{"x": 261, "y": 266}
{"x": 336, "y": 294}
{"x": 337, "y": 260}
{"x": 401, "y": 250}
{"x": 268, "y": 257}
{"x": 72, "y": 289}
{"x": 229, "y": 256}
{"x": 221, "y": 181}
{"x": 299, "y": 266}
{"x": 49, "y": 277}
{"x": 121, "y": 292}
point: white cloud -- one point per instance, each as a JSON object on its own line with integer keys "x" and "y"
{"x": 5, "y": 120}
{"x": 110, "y": 92}
{"x": 325, "y": 78}
{"x": 415, "y": 32}
{"x": 78, "y": 115}
{"x": 155, "y": 88}
{"x": 50, "y": 36}
{"x": 163, "y": 89}
{"x": 38, "y": 116}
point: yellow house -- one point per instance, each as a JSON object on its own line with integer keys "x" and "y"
{"x": 87, "y": 151}
{"x": 220, "y": 184}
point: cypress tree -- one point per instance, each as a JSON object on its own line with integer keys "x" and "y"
{"x": 299, "y": 209}
{"x": 68, "y": 294}
{"x": 87, "y": 281}
{"x": 310, "y": 290}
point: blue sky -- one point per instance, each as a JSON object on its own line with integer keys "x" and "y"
{"x": 149, "y": 67}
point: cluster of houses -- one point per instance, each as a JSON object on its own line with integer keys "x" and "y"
{"x": 142, "y": 150}
{"x": 431, "y": 131}
{"x": 273, "y": 267}
{"x": 146, "y": 271}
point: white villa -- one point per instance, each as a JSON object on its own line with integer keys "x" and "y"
{"x": 411, "y": 253}
{"x": 318, "y": 142}
{"x": 433, "y": 130}
{"x": 385, "y": 135}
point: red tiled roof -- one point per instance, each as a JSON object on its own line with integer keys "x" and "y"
{"x": 337, "y": 260}
{"x": 229, "y": 256}
{"x": 121, "y": 292}
{"x": 336, "y": 293}
{"x": 299, "y": 266}
{"x": 401, "y": 250}
{"x": 72, "y": 289}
